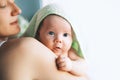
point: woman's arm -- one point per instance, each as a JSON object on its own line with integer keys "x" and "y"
{"x": 28, "y": 59}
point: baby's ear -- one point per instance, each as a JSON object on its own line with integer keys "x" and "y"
{"x": 73, "y": 54}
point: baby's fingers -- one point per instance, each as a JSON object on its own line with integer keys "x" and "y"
{"x": 60, "y": 60}
{"x": 60, "y": 65}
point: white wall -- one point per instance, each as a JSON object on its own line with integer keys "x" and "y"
{"x": 98, "y": 27}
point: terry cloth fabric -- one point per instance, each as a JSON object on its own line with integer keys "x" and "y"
{"x": 3, "y": 41}
{"x": 39, "y": 17}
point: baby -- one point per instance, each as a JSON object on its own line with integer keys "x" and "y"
{"x": 52, "y": 28}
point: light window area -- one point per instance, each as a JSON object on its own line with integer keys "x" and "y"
{"x": 97, "y": 25}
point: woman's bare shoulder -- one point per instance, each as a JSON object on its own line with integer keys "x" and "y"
{"x": 23, "y": 46}
{"x": 20, "y": 46}
{"x": 20, "y": 42}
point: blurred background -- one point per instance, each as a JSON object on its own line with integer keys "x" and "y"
{"x": 97, "y": 25}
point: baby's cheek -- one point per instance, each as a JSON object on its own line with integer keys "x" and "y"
{"x": 68, "y": 44}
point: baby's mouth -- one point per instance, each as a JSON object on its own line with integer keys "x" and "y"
{"x": 57, "y": 49}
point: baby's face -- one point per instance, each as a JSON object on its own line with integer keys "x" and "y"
{"x": 56, "y": 34}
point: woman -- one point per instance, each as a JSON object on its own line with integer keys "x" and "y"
{"x": 30, "y": 60}
{"x": 9, "y": 12}
{"x": 27, "y": 58}
{"x": 53, "y": 28}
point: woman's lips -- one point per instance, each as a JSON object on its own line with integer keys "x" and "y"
{"x": 15, "y": 22}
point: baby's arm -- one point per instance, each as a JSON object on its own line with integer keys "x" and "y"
{"x": 64, "y": 63}
{"x": 79, "y": 67}
{"x": 72, "y": 63}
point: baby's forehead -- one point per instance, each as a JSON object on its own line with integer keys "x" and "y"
{"x": 51, "y": 16}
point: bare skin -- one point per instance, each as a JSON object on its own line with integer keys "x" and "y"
{"x": 56, "y": 34}
{"x": 9, "y": 12}
{"x": 25, "y": 58}
{"x": 30, "y": 60}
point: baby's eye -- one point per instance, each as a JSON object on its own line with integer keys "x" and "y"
{"x": 65, "y": 35}
{"x": 51, "y": 33}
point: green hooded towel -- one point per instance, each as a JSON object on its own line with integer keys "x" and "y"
{"x": 39, "y": 17}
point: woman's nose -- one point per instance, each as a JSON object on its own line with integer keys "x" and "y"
{"x": 16, "y": 10}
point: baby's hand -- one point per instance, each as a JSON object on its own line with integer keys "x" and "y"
{"x": 64, "y": 63}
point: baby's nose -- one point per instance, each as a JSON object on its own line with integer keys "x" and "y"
{"x": 58, "y": 40}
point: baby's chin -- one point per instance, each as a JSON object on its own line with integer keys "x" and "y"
{"x": 57, "y": 53}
